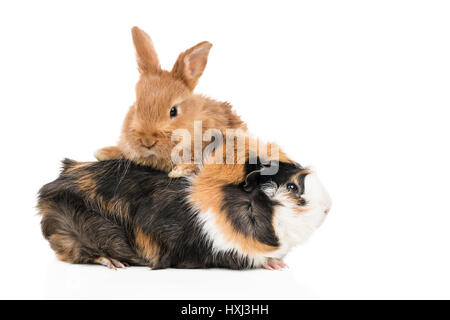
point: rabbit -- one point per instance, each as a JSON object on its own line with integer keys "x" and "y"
{"x": 119, "y": 213}
{"x": 165, "y": 102}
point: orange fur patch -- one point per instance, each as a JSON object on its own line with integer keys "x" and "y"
{"x": 76, "y": 166}
{"x": 45, "y": 207}
{"x": 87, "y": 184}
{"x": 146, "y": 247}
{"x": 65, "y": 247}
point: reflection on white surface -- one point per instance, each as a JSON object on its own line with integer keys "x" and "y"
{"x": 90, "y": 281}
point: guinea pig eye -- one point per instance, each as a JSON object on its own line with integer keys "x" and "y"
{"x": 291, "y": 187}
{"x": 173, "y": 111}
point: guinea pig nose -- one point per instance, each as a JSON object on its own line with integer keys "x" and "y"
{"x": 327, "y": 210}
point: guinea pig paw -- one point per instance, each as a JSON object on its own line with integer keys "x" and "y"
{"x": 111, "y": 263}
{"x": 274, "y": 264}
{"x": 183, "y": 170}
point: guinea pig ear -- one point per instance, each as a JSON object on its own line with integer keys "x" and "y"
{"x": 147, "y": 59}
{"x": 252, "y": 180}
{"x": 191, "y": 64}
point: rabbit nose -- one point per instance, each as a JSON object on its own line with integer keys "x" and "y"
{"x": 326, "y": 210}
{"x": 147, "y": 143}
{"x": 149, "y": 146}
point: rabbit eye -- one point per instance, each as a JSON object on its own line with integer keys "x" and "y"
{"x": 173, "y": 111}
{"x": 291, "y": 187}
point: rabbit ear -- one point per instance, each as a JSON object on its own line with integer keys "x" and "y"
{"x": 147, "y": 58}
{"x": 191, "y": 63}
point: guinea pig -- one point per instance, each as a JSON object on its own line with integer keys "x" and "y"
{"x": 164, "y": 103}
{"x": 118, "y": 213}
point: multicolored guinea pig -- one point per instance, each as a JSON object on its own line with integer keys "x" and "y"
{"x": 118, "y": 213}
{"x": 165, "y": 102}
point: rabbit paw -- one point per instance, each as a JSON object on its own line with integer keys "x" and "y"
{"x": 108, "y": 153}
{"x": 111, "y": 263}
{"x": 274, "y": 264}
{"x": 182, "y": 170}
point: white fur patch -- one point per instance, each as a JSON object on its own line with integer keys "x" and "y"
{"x": 149, "y": 153}
{"x": 293, "y": 227}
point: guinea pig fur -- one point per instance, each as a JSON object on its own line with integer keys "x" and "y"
{"x": 119, "y": 213}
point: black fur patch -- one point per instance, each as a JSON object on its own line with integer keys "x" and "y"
{"x": 301, "y": 183}
{"x": 285, "y": 171}
{"x": 249, "y": 209}
{"x": 250, "y": 213}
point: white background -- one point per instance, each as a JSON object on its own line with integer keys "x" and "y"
{"x": 358, "y": 89}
